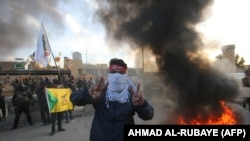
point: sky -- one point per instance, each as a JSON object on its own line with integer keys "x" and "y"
{"x": 72, "y": 25}
{"x": 228, "y": 23}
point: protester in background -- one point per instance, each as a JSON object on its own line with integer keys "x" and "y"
{"x": 115, "y": 103}
{"x": 70, "y": 84}
{"x": 246, "y": 83}
{"x": 79, "y": 83}
{"x": 43, "y": 104}
{"x": 21, "y": 101}
{"x": 2, "y": 103}
{"x": 56, "y": 116}
{"x": 15, "y": 84}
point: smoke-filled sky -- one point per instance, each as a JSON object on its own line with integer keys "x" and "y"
{"x": 72, "y": 26}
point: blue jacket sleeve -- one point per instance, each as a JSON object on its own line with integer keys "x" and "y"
{"x": 80, "y": 97}
{"x": 145, "y": 111}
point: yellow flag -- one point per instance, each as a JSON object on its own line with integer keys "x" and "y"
{"x": 59, "y": 99}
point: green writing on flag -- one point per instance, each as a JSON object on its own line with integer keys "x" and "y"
{"x": 58, "y": 99}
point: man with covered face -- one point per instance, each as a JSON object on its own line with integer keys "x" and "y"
{"x": 115, "y": 103}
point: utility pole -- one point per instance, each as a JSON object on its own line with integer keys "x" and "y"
{"x": 142, "y": 52}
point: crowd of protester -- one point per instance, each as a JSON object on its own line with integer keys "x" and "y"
{"x": 35, "y": 85}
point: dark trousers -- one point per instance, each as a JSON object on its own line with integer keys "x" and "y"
{"x": 3, "y": 108}
{"x": 68, "y": 115}
{"x": 19, "y": 110}
{"x": 45, "y": 114}
{"x": 56, "y": 117}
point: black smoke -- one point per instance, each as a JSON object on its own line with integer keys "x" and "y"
{"x": 167, "y": 27}
{"x": 20, "y": 22}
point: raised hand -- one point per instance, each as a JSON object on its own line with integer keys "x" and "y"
{"x": 137, "y": 97}
{"x": 95, "y": 91}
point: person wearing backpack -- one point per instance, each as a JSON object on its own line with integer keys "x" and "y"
{"x": 21, "y": 103}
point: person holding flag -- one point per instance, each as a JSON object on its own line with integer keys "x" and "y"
{"x": 58, "y": 102}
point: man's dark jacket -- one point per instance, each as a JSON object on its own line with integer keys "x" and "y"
{"x": 109, "y": 121}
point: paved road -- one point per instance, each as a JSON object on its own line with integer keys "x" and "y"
{"x": 76, "y": 130}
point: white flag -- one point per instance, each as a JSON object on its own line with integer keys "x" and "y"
{"x": 43, "y": 49}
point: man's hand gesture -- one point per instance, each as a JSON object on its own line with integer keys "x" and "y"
{"x": 137, "y": 97}
{"x": 95, "y": 91}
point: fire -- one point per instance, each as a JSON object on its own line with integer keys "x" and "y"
{"x": 227, "y": 118}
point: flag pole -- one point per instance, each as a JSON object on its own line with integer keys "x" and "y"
{"x": 59, "y": 74}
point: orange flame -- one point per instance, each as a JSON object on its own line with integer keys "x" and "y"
{"x": 227, "y": 118}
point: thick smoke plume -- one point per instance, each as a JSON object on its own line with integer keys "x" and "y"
{"x": 167, "y": 27}
{"x": 20, "y": 22}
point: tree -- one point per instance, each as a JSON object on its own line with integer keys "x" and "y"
{"x": 239, "y": 61}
